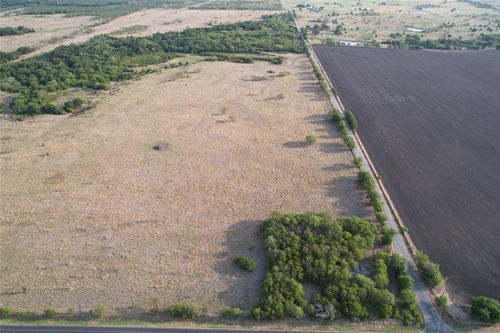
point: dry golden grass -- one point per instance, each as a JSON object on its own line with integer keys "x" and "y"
{"x": 47, "y": 29}
{"x": 154, "y": 20}
{"x": 92, "y": 214}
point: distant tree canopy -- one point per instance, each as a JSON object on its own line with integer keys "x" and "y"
{"x": 413, "y": 41}
{"x": 104, "y": 59}
{"x": 106, "y": 9}
{"x": 20, "y": 30}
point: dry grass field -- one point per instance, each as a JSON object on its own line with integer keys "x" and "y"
{"x": 92, "y": 214}
{"x": 392, "y": 16}
{"x": 51, "y": 28}
{"x": 48, "y": 29}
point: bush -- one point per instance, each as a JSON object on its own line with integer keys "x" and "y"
{"x": 98, "y": 311}
{"x": 5, "y": 312}
{"x": 50, "y": 313}
{"x": 231, "y": 312}
{"x": 428, "y": 270}
{"x": 351, "y": 120}
{"x": 311, "y": 139}
{"x": 335, "y": 115}
{"x": 441, "y": 302}
{"x": 381, "y": 217}
{"x": 405, "y": 282}
{"x": 365, "y": 180}
{"x": 246, "y": 263}
{"x": 387, "y": 235}
{"x": 157, "y": 308}
{"x": 184, "y": 311}
{"x": 487, "y": 309}
{"x": 381, "y": 278}
{"x": 349, "y": 141}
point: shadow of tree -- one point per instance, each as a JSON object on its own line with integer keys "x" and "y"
{"x": 242, "y": 238}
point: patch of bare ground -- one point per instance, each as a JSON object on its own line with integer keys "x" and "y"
{"x": 92, "y": 214}
{"x": 157, "y": 20}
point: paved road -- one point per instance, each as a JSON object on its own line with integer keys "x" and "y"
{"x": 113, "y": 329}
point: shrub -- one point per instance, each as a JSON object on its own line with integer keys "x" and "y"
{"x": 387, "y": 235}
{"x": 381, "y": 278}
{"x": 246, "y": 263}
{"x": 441, "y": 302}
{"x": 351, "y": 120}
{"x": 342, "y": 126}
{"x": 383, "y": 301}
{"x": 357, "y": 161}
{"x": 398, "y": 265}
{"x": 428, "y": 270}
{"x": 311, "y": 139}
{"x": 410, "y": 315}
{"x": 335, "y": 115}
{"x": 184, "y": 311}
{"x": 5, "y": 312}
{"x": 349, "y": 141}
{"x": 487, "y": 309}
{"x": 231, "y": 312}
{"x": 98, "y": 311}
{"x": 50, "y": 313}
{"x": 381, "y": 217}
{"x": 365, "y": 180}
{"x": 157, "y": 308}
{"x": 405, "y": 282}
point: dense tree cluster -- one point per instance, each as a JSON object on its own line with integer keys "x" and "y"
{"x": 20, "y": 30}
{"x": 314, "y": 248}
{"x": 104, "y": 59}
{"x": 414, "y": 41}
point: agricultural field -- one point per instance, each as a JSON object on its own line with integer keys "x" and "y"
{"x": 373, "y": 21}
{"x": 429, "y": 120}
{"x": 92, "y": 214}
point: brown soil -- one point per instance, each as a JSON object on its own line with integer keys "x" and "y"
{"x": 92, "y": 214}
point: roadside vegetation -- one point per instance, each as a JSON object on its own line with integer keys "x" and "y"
{"x": 342, "y": 122}
{"x": 104, "y": 59}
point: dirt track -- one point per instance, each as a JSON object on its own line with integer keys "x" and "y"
{"x": 91, "y": 214}
{"x": 430, "y": 123}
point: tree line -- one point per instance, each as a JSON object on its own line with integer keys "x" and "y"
{"x": 104, "y": 59}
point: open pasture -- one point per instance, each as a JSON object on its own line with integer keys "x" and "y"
{"x": 430, "y": 123}
{"x": 91, "y": 213}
